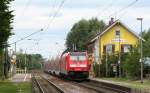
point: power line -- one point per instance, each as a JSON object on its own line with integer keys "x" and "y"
{"x": 59, "y": 8}
{"x": 126, "y": 11}
{"x": 26, "y": 36}
{"x": 105, "y": 8}
{"x": 25, "y": 8}
{"x": 61, "y": 4}
{"x": 122, "y": 9}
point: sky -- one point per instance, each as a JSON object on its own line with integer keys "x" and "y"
{"x": 34, "y": 15}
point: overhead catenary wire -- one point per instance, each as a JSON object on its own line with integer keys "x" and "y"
{"x": 22, "y": 13}
{"x": 43, "y": 29}
{"x": 126, "y": 11}
{"x": 26, "y": 7}
{"x": 105, "y": 8}
{"x": 55, "y": 14}
{"x": 26, "y": 37}
{"x": 122, "y": 9}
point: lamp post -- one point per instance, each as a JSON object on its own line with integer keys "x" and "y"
{"x": 141, "y": 50}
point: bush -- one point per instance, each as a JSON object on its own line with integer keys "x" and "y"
{"x": 131, "y": 64}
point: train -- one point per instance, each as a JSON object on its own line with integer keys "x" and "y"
{"x": 72, "y": 65}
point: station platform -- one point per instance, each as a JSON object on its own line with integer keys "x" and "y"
{"x": 21, "y": 77}
{"x": 110, "y": 81}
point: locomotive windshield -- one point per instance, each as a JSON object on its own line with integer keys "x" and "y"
{"x": 82, "y": 58}
{"x": 78, "y": 57}
{"x": 74, "y": 58}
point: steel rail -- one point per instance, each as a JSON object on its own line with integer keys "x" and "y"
{"x": 38, "y": 84}
{"x": 55, "y": 86}
{"x": 106, "y": 86}
{"x": 48, "y": 82}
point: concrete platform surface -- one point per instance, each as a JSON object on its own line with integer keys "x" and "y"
{"x": 21, "y": 77}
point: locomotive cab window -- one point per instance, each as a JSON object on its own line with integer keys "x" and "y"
{"x": 73, "y": 57}
{"x": 82, "y": 58}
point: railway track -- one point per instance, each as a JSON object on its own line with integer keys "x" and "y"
{"x": 99, "y": 87}
{"x": 103, "y": 87}
{"x": 58, "y": 85}
{"x": 69, "y": 86}
{"x": 43, "y": 85}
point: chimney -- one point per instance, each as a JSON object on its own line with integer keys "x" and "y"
{"x": 111, "y": 21}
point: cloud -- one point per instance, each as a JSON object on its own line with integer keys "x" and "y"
{"x": 38, "y": 14}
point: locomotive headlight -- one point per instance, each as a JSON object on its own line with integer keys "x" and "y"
{"x": 72, "y": 65}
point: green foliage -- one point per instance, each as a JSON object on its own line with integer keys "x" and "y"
{"x": 112, "y": 59}
{"x": 97, "y": 70}
{"x": 131, "y": 64}
{"x": 83, "y": 31}
{"x": 35, "y": 61}
{"x": 100, "y": 70}
{"x": 10, "y": 87}
{"x": 32, "y": 61}
{"x": 146, "y": 43}
{"x": 6, "y": 19}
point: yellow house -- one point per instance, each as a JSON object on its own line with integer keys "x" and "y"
{"x": 117, "y": 37}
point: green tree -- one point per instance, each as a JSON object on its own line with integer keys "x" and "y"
{"x": 131, "y": 64}
{"x": 112, "y": 60}
{"x": 83, "y": 31}
{"x": 95, "y": 26}
{"x": 78, "y": 35}
{"x": 146, "y": 43}
{"x": 6, "y": 18}
{"x": 31, "y": 61}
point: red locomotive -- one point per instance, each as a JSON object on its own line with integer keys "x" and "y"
{"x": 71, "y": 64}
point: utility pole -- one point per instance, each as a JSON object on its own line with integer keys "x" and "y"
{"x": 25, "y": 62}
{"x": 14, "y": 68}
{"x": 106, "y": 61}
{"x": 141, "y": 50}
{"x": 15, "y": 47}
{"x": 119, "y": 59}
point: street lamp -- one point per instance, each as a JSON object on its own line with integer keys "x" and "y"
{"x": 141, "y": 50}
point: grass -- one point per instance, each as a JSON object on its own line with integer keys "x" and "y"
{"x": 10, "y": 87}
{"x": 130, "y": 83}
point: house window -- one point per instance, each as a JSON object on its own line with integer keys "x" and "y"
{"x": 117, "y": 33}
{"x": 109, "y": 48}
{"x": 125, "y": 48}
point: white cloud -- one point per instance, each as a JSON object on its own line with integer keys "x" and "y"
{"x": 37, "y": 15}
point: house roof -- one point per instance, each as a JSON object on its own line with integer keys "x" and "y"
{"x": 112, "y": 25}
